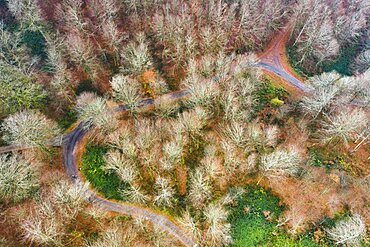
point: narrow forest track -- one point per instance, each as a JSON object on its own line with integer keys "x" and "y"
{"x": 70, "y": 147}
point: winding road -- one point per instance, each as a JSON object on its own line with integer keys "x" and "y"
{"x": 70, "y": 146}
{"x": 273, "y": 61}
{"x": 270, "y": 61}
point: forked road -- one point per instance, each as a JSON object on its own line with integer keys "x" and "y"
{"x": 274, "y": 60}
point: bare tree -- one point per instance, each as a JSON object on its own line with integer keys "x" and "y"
{"x": 314, "y": 31}
{"x": 191, "y": 225}
{"x": 58, "y": 206}
{"x": 146, "y": 133}
{"x": 362, "y": 62}
{"x": 42, "y": 231}
{"x": 237, "y": 133}
{"x": 70, "y": 14}
{"x": 27, "y": 12}
{"x": 200, "y": 189}
{"x": 135, "y": 194}
{"x": 258, "y": 19}
{"x": 113, "y": 236}
{"x": 70, "y": 197}
{"x": 136, "y": 56}
{"x": 202, "y": 91}
{"x": 105, "y": 9}
{"x": 281, "y": 162}
{"x": 113, "y": 38}
{"x": 164, "y": 192}
{"x": 361, "y": 89}
{"x": 62, "y": 82}
{"x": 121, "y": 139}
{"x": 17, "y": 178}
{"x": 270, "y": 135}
{"x": 211, "y": 164}
{"x": 217, "y": 229}
{"x": 237, "y": 99}
{"x": 175, "y": 30}
{"x": 82, "y": 52}
{"x": 232, "y": 157}
{"x": 218, "y": 20}
{"x": 349, "y": 232}
{"x": 94, "y": 111}
{"x": 343, "y": 126}
{"x": 191, "y": 122}
{"x": 29, "y": 128}
{"x": 351, "y": 21}
{"x": 126, "y": 90}
{"x": 122, "y": 166}
{"x": 173, "y": 152}
{"x": 326, "y": 89}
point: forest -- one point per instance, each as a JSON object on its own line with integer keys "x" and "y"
{"x": 184, "y": 123}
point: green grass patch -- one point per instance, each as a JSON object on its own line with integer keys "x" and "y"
{"x": 108, "y": 184}
{"x": 250, "y": 227}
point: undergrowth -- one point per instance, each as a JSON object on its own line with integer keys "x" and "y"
{"x": 267, "y": 99}
{"x": 108, "y": 184}
{"x": 330, "y": 159}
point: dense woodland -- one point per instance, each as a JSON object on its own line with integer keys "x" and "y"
{"x": 243, "y": 160}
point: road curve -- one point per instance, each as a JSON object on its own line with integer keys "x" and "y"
{"x": 70, "y": 162}
{"x": 282, "y": 73}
